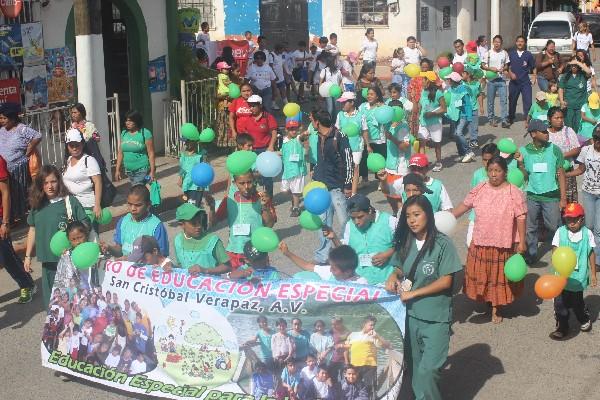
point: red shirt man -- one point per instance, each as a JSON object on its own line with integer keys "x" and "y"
{"x": 260, "y": 125}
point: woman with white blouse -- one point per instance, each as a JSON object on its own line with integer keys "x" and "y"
{"x": 369, "y": 48}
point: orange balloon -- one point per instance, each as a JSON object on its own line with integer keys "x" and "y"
{"x": 549, "y": 286}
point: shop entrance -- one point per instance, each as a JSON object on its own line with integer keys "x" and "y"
{"x": 116, "y": 55}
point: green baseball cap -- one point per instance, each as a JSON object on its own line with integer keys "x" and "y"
{"x": 187, "y": 211}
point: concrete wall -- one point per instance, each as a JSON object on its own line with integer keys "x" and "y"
{"x": 471, "y": 23}
{"x": 510, "y": 21}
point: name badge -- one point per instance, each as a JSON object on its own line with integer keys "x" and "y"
{"x": 295, "y": 157}
{"x": 365, "y": 260}
{"x": 540, "y": 167}
{"x": 127, "y": 248}
{"x": 542, "y": 117}
{"x": 241, "y": 229}
{"x": 458, "y": 103}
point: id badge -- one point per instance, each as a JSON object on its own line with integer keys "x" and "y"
{"x": 241, "y": 229}
{"x": 540, "y": 167}
{"x": 458, "y": 103}
{"x": 127, "y": 248}
{"x": 365, "y": 260}
{"x": 542, "y": 117}
{"x": 406, "y": 285}
{"x": 295, "y": 157}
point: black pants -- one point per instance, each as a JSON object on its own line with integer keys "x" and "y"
{"x": 368, "y": 376}
{"x": 14, "y": 265}
{"x": 377, "y": 148}
{"x": 569, "y": 300}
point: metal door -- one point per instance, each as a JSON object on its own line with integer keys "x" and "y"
{"x": 436, "y": 25}
{"x": 284, "y": 21}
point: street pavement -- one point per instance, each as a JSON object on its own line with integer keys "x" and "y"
{"x": 514, "y": 359}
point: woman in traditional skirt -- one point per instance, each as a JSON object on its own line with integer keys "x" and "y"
{"x": 567, "y": 141}
{"x": 413, "y": 92}
{"x": 18, "y": 141}
{"x": 500, "y": 205}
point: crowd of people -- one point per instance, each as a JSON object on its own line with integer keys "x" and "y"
{"x": 401, "y": 249}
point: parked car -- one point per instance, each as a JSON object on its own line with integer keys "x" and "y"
{"x": 559, "y": 26}
{"x": 593, "y": 20}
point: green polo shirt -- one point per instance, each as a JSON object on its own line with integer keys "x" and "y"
{"x": 575, "y": 89}
{"x": 442, "y": 260}
{"x": 541, "y": 165}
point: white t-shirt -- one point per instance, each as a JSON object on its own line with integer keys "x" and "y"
{"x": 307, "y": 374}
{"x": 583, "y": 40}
{"x": 261, "y": 76}
{"x": 278, "y": 60}
{"x": 112, "y": 361}
{"x": 459, "y": 58}
{"x": 397, "y": 66}
{"x": 589, "y": 81}
{"x": 412, "y": 56}
{"x": 495, "y": 59}
{"x": 77, "y": 179}
{"x": 590, "y": 158}
{"x": 321, "y": 387}
{"x": 481, "y": 51}
{"x": 297, "y": 57}
{"x": 332, "y": 49}
{"x": 335, "y": 77}
{"x": 202, "y": 40}
{"x": 324, "y": 271}
{"x": 347, "y": 67}
{"x": 369, "y": 49}
{"x": 288, "y": 64}
{"x": 574, "y": 237}
{"x": 137, "y": 367}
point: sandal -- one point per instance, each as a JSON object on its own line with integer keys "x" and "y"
{"x": 558, "y": 335}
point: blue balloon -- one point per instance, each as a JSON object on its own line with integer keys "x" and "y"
{"x": 317, "y": 201}
{"x": 202, "y": 174}
{"x": 269, "y": 164}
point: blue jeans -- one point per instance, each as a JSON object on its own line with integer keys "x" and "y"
{"x": 591, "y": 204}
{"x": 405, "y": 82}
{"x": 267, "y": 99}
{"x": 543, "y": 83}
{"x": 493, "y": 87}
{"x": 337, "y": 207}
{"x": 137, "y": 177}
{"x": 458, "y": 130}
{"x": 551, "y": 215}
{"x": 264, "y": 181}
{"x": 474, "y": 126}
{"x": 330, "y": 101}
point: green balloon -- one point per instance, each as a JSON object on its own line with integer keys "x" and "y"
{"x": 448, "y": 97}
{"x": 566, "y": 165}
{"x": 310, "y": 222}
{"x": 239, "y": 162}
{"x": 515, "y": 268}
{"x": 399, "y": 114}
{"x": 516, "y": 177}
{"x": 85, "y": 255}
{"x": 478, "y": 73}
{"x": 264, "y": 239}
{"x": 375, "y": 162}
{"x": 189, "y": 131}
{"x": 307, "y": 276}
{"x": 105, "y": 217}
{"x": 59, "y": 243}
{"x": 364, "y": 93}
{"x": 351, "y": 129}
{"x": 207, "y": 135}
{"x": 491, "y": 74}
{"x": 234, "y": 91}
{"x": 335, "y": 91}
{"x": 444, "y": 72}
{"x": 507, "y": 146}
{"x": 411, "y": 139}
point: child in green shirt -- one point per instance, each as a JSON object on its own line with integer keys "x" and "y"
{"x": 196, "y": 250}
{"x": 539, "y": 109}
{"x": 590, "y": 116}
{"x": 474, "y": 86}
{"x": 243, "y": 142}
{"x": 188, "y": 158}
{"x": 293, "y": 155}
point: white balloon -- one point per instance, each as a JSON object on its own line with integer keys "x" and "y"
{"x": 445, "y": 222}
{"x": 324, "y": 89}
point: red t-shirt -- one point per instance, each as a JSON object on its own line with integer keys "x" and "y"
{"x": 3, "y": 177}
{"x": 241, "y": 109}
{"x": 260, "y": 129}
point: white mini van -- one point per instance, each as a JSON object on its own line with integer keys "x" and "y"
{"x": 559, "y": 26}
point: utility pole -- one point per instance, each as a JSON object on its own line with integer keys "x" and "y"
{"x": 91, "y": 84}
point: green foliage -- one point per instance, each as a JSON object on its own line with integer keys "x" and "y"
{"x": 202, "y": 333}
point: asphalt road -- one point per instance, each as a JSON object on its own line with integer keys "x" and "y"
{"x": 515, "y": 359}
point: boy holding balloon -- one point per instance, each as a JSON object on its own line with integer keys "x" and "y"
{"x": 188, "y": 158}
{"x": 293, "y": 155}
{"x": 578, "y": 238}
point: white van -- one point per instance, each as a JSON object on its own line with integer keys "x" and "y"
{"x": 559, "y": 26}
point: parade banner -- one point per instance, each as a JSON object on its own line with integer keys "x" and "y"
{"x": 33, "y": 43}
{"x": 10, "y": 91}
{"x": 180, "y": 336}
{"x": 241, "y": 52}
{"x": 157, "y": 74}
{"x": 35, "y": 87}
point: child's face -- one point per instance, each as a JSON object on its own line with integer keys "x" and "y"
{"x": 259, "y": 61}
{"x": 333, "y": 41}
{"x": 137, "y": 206}
{"x": 394, "y": 94}
{"x": 348, "y": 106}
{"x": 152, "y": 258}
{"x": 351, "y": 375}
{"x": 297, "y": 325}
{"x": 292, "y": 132}
{"x": 485, "y": 157}
{"x": 553, "y": 88}
{"x": 246, "y": 146}
{"x": 310, "y": 362}
{"x": 282, "y": 328}
{"x": 541, "y": 103}
{"x": 319, "y": 327}
{"x": 411, "y": 44}
{"x": 418, "y": 170}
{"x": 291, "y": 368}
{"x": 191, "y": 145}
{"x": 574, "y": 224}
{"x": 193, "y": 227}
{"x": 541, "y": 137}
{"x": 368, "y": 326}
{"x": 245, "y": 184}
{"x": 322, "y": 376}
{"x": 362, "y": 219}
{"x": 412, "y": 190}
{"x": 76, "y": 237}
{"x": 140, "y": 357}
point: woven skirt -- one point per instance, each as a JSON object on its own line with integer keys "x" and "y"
{"x": 571, "y": 189}
{"x": 484, "y": 276}
{"x": 19, "y": 181}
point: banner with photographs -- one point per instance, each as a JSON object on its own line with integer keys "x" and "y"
{"x": 176, "y": 335}
{"x": 60, "y": 67}
{"x": 35, "y": 87}
{"x": 157, "y": 74}
{"x": 11, "y": 46}
{"x": 33, "y": 43}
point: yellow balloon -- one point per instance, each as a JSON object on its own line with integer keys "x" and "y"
{"x": 313, "y": 185}
{"x": 291, "y": 109}
{"x": 412, "y": 70}
{"x": 564, "y": 260}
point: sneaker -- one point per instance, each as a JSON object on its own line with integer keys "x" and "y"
{"x": 27, "y": 295}
{"x": 437, "y": 167}
{"x": 586, "y": 327}
{"x": 558, "y": 335}
{"x": 274, "y": 106}
{"x": 505, "y": 125}
{"x": 474, "y": 144}
{"x": 470, "y": 156}
{"x": 295, "y": 212}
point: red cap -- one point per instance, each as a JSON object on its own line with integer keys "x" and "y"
{"x": 419, "y": 160}
{"x": 471, "y": 47}
{"x": 292, "y": 124}
{"x": 574, "y": 210}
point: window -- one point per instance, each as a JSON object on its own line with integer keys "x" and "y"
{"x": 550, "y": 30}
{"x": 207, "y": 10}
{"x": 365, "y": 12}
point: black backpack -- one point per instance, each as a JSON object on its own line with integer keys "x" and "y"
{"x": 109, "y": 191}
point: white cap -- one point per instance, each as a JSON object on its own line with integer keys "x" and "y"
{"x": 73, "y": 135}
{"x": 454, "y": 76}
{"x": 255, "y": 99}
